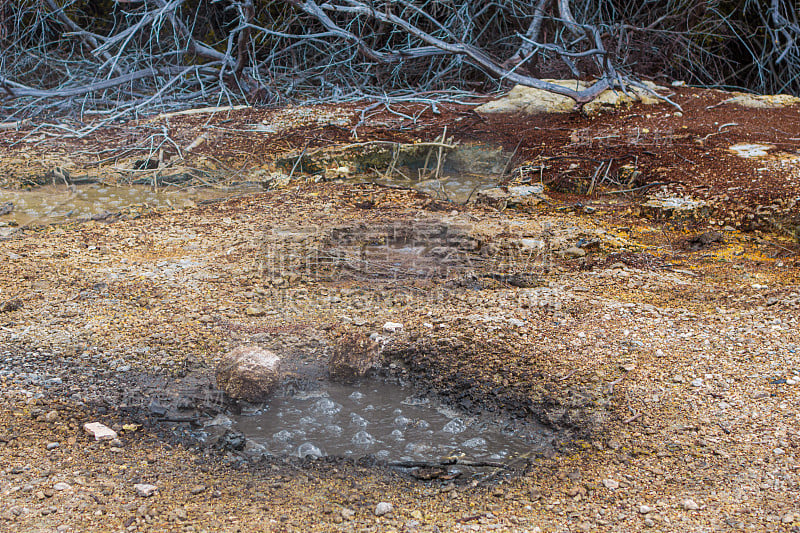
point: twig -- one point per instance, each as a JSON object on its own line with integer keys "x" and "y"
{"x": 631, "y": 419}
{"x": 299, "y": 158}
{"x": 643, "y": 187}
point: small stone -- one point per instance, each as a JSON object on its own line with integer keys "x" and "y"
{"x": 574, "y": 252}
{"x": 778, "y": 451}
{"x": 52, "y": 446}
{"x": 255, "y": 311}
{"x": 649, "y": 522}
{"x": 788, "y": 518}
{"x": 678, "y": 378}
{"x": 644, "y": 509}
{"x": 392, "y": 327}
{"x": 61, "y": 486}
{"x": 145, "y": 490}
{"x": 348, "y": 514}
{"x": 383, "y": 508}
{"x": 611, "y": 484}
{"x": 416, "y": 515}
{"x": 116, "y": 443}
{"x": 697, "y": 382}
{"x": 197, "y": 489}
{"x": 179, "y": 514}
{"x": 690, "y": 505}
{"x": 100, "y": 431}
{"x": 52, "y": 416}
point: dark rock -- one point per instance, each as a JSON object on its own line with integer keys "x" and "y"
{"x": 14, "y": 304}
{"x": 145, "y": 164}
{"x": 698, "y": 242}
{"x": 231, "y": 441}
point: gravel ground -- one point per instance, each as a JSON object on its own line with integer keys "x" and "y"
{"x": 670, "y": 374}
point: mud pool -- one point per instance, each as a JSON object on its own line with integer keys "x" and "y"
{"x": 381, "y": 419}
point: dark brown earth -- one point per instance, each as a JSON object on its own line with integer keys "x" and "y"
{"x": 664, "y": 353}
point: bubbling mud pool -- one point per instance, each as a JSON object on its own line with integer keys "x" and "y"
{"x": 384, "y": 420}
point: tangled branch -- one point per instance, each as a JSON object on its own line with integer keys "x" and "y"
{"x": 144, "y": 56}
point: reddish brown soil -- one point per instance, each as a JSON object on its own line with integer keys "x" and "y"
{"x": 688, "y": 149}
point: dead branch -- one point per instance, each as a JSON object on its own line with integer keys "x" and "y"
{"x": 160, "y": 56}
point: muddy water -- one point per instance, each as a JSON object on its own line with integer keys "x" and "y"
{"x": 463, "y": 172}
{"x": 61, "y": 203}
{"x": 382, "y": 419}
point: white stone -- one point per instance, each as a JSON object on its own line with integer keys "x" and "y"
{"x": 391, "y": 327}
{"x": 383, "y": 508}
{"x": 611, "y": 483}
{"x": 644, "y": 509}
{"x": 61, "y": 486}
{"x": 145, "y": 490}
{"x": 526, "y": 190}
{"x": 698, "y": 382}
{"x": 751, "y": 150}
{"x": 690, "y": 505}
{"x": 100, "y": 431}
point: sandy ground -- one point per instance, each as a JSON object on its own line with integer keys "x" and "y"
{"x": 667, "y": 363}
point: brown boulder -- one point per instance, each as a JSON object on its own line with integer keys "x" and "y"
{"x": 249, "y": 373}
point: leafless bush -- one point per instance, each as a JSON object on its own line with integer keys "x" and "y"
{"x": 119, "y": 57}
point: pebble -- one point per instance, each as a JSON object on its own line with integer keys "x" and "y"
{"x": 574, "y": 252}
{"x": 61, "y": 486}
{"x": 52, "y": 416}
{"x": 145, "y": 490}
{"x": 348, "y": 514}
{"x": 391, "y": 327}
{"x": 100, "y": 431}
{"x": 52, "y": 445}
{"x": 698, "y": 382}
{"x": 611, "y": 484}
{"x": 383, "y": 508}
{"x": 690, "y": 505}
{"x": 644, "y": 509}
{"x": 179, "y": 514}
{"x": 788, "y": 518}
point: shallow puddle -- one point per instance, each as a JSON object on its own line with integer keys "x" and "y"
{"x": 61, "y": 203}
{"x": 463, "y": 172}
{"x": 380, "y": 419}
